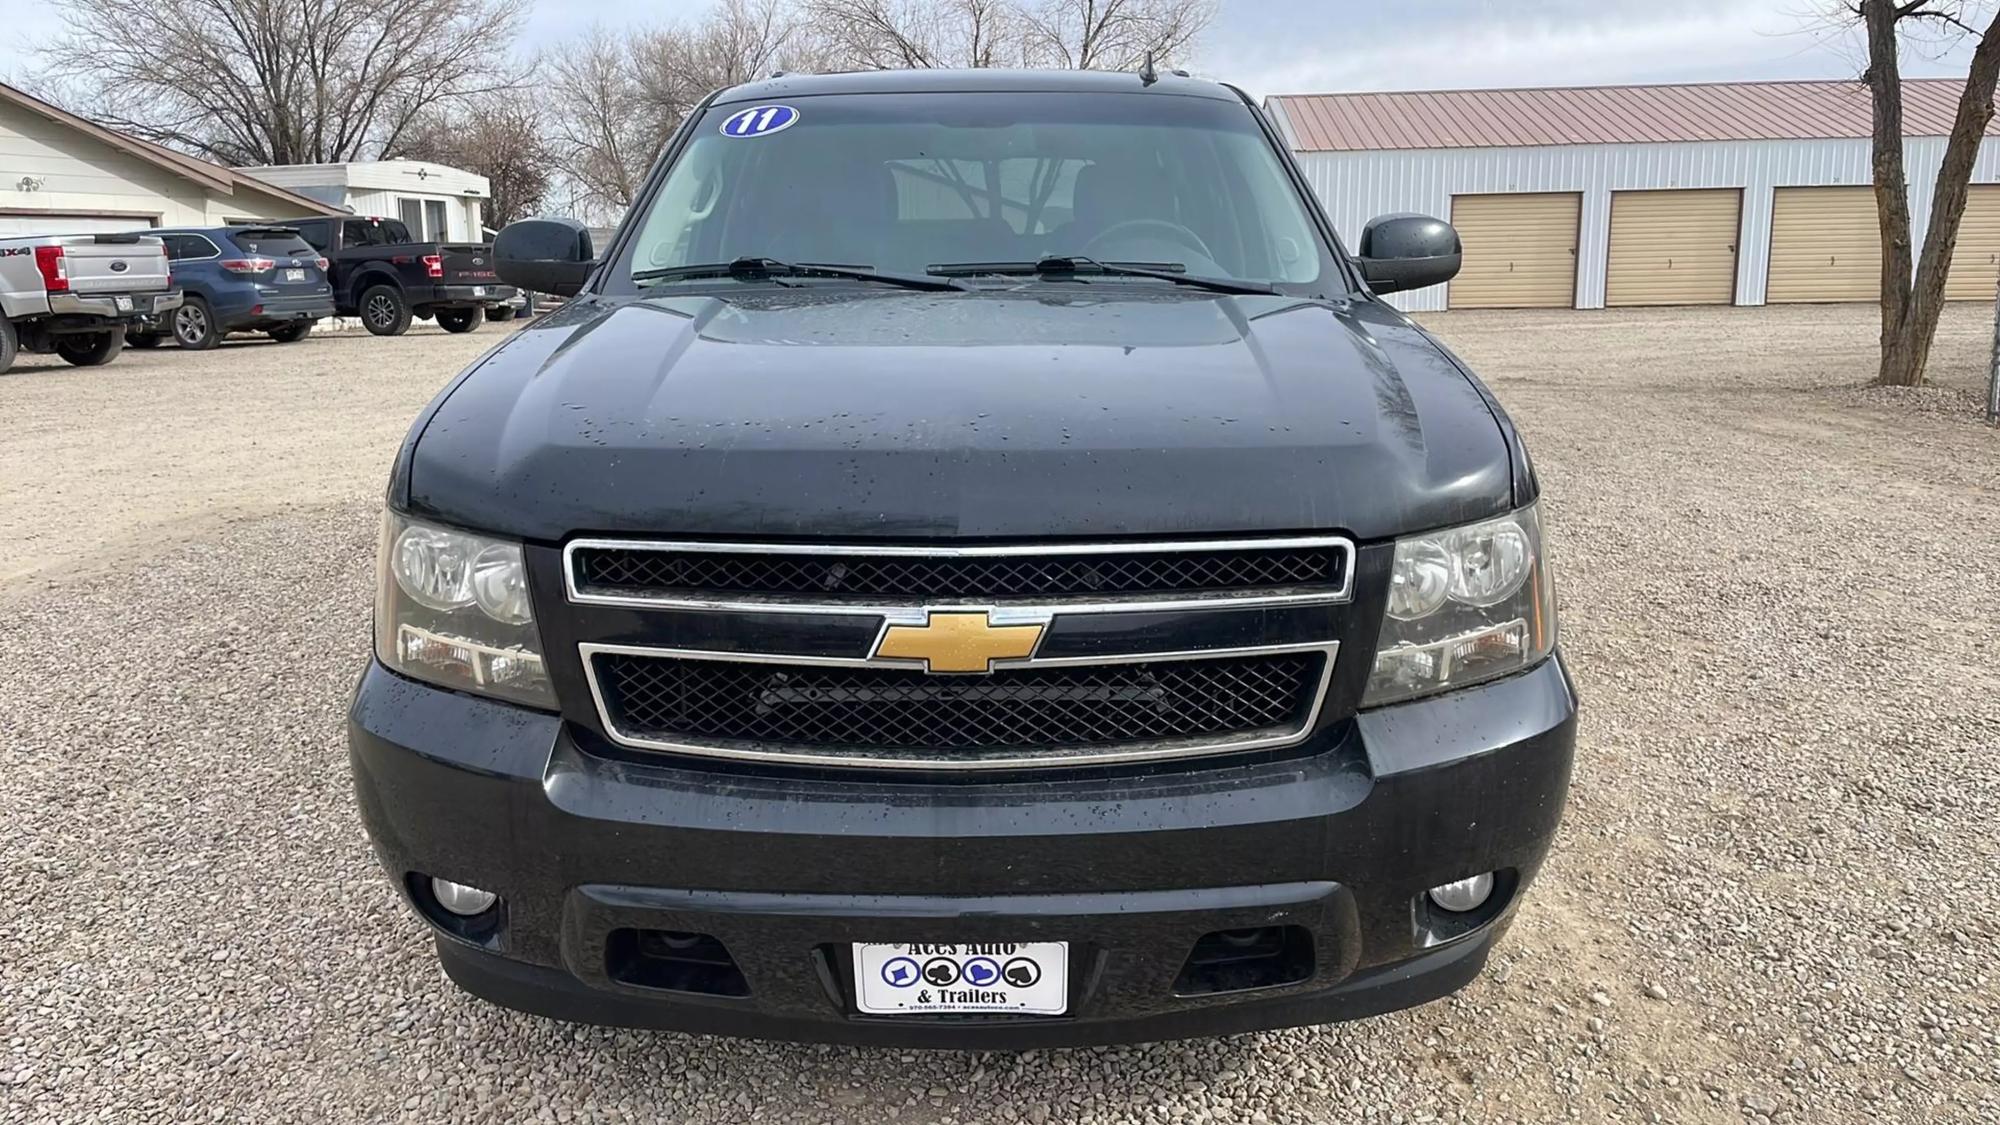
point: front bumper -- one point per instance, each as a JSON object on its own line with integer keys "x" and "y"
{"x": 1132, "y": 869}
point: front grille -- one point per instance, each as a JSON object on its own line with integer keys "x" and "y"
{"x": 682, "y": 701}
{"x": 689, "y": 571}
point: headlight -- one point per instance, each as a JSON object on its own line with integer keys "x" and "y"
{"x": 452, "y": 609}
{"x": 1465, "y": 605}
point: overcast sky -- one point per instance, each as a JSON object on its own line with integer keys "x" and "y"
{"x": 1301, "y": 46}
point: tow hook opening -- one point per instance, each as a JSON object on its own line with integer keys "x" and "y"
{"x": 673, "y": 961}
{"x": 1240, "y": 960}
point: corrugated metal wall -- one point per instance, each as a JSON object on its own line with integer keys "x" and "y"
{"x": 1357, "y": 186}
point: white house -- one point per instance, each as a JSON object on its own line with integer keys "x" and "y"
{"x": 1740, "y": 193}
{"x": 61, "y": 174}
{"x": 437, "y": 202}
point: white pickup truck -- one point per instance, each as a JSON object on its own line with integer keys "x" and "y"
{"x": 74, "y": 294}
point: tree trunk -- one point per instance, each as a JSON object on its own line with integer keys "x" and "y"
{"x": 1892, "y": 188}
{"x": 1912, "y": 299}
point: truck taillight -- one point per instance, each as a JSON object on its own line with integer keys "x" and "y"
{"x": 55, "y": 270}
{"x": 434, "y": 265}
{"x": 248, "y": 265}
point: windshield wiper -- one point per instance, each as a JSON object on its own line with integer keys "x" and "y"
{"x": 762, "y": 269}
{"x": 1059, "y": 264}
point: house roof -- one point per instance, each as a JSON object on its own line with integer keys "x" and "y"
{"x": 207, "y": 173}
{"x": 1723, "y": 111}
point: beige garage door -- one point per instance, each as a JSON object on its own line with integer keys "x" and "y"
{"x": 1520, "y": 251}
{"x": 1673, "y": 247}
{"x": 1825, "y": 245}
{"x": 1975, "y": 261}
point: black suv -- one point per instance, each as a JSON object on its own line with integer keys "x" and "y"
{"x": 384, "y": 275}
{"x": 973, "y": 564}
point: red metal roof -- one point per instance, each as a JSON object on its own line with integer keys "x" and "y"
{"x": 1724, "y": 111}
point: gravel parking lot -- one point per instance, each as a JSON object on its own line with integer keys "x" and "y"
{"x": 1772, "y": 898}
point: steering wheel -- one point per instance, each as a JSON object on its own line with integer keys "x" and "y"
{"x": 1172, "y": 232}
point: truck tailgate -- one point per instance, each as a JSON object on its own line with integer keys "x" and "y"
{"x": 468, "y": 264}
{"x": 114, "y": 263}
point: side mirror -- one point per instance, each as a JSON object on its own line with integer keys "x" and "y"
{"x": 1400, "y": 252}
{"x": 544, "y": 255}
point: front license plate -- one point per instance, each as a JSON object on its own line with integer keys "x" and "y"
{"x": 295, "y": 275}
{"x": 122, "y": 304}
{"x": 1028, "y": 977}
{"x": 479, "y": 291}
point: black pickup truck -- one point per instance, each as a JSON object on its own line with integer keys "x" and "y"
{"x": 385, "y": 277}
{"x": 976, "y": 563}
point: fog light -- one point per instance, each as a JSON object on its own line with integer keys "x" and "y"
{"x": 1465, "y": 894}
{"x": 467, "y": 901}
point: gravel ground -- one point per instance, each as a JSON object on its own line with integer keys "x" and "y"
{"x": 1779, "y": 597}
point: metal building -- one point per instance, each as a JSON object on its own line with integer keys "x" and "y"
{"x": 1736, "y": 193}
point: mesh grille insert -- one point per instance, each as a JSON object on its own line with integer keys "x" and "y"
{"x": 891, "y": 709}
{"x": 833, "y": 577}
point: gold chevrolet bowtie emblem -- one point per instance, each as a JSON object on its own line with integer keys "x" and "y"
{"x": 958, "y": 642}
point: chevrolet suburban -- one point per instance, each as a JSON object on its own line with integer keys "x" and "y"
{"x": 974, "y": 563}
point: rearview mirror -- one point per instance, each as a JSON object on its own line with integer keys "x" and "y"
{"x": 545, "y": 255}
{"x": 1400, "y": 252}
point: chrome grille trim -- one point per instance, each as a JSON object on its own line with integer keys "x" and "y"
{"x": 960, "y": 762}
{"x": 1137, "y": 603}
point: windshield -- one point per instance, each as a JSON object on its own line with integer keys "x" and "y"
{"x": 914, "y": 183}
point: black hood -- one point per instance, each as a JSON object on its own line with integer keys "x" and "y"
{"x": 1094, "y": 411}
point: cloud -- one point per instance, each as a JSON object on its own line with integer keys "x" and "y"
{"x": 1437, "y": 45}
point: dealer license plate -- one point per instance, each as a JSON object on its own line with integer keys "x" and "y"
{"x": 1030, "y": 977}
{"x": 295, "y": 275}
{"x": 479, "y": 291}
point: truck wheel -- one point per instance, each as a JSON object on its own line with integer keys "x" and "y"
{"x": 91, "y": 349}
{"x": 383, "y": 312}
{"x": 291, "y": 333}
{"x": 142, "y": 339}
{"x": 458, "y": 320}
{"x": 10, "y": 344}
{"x": 194, "y": 325}
{"x": 500, "y": 313}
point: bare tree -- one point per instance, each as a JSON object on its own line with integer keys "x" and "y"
{"x": 264, "y": 82}
{"x": 1067, "y": 34}
{"x": 676, "y": 67}
{"x": 500, "y": 136}
{"x": 615, "y": 100}
{"x": 920, "y": 34}
{"x": 1114, "y": 34}
{"x": 603, "y": 147}
{"x": 1913, "y": 297}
